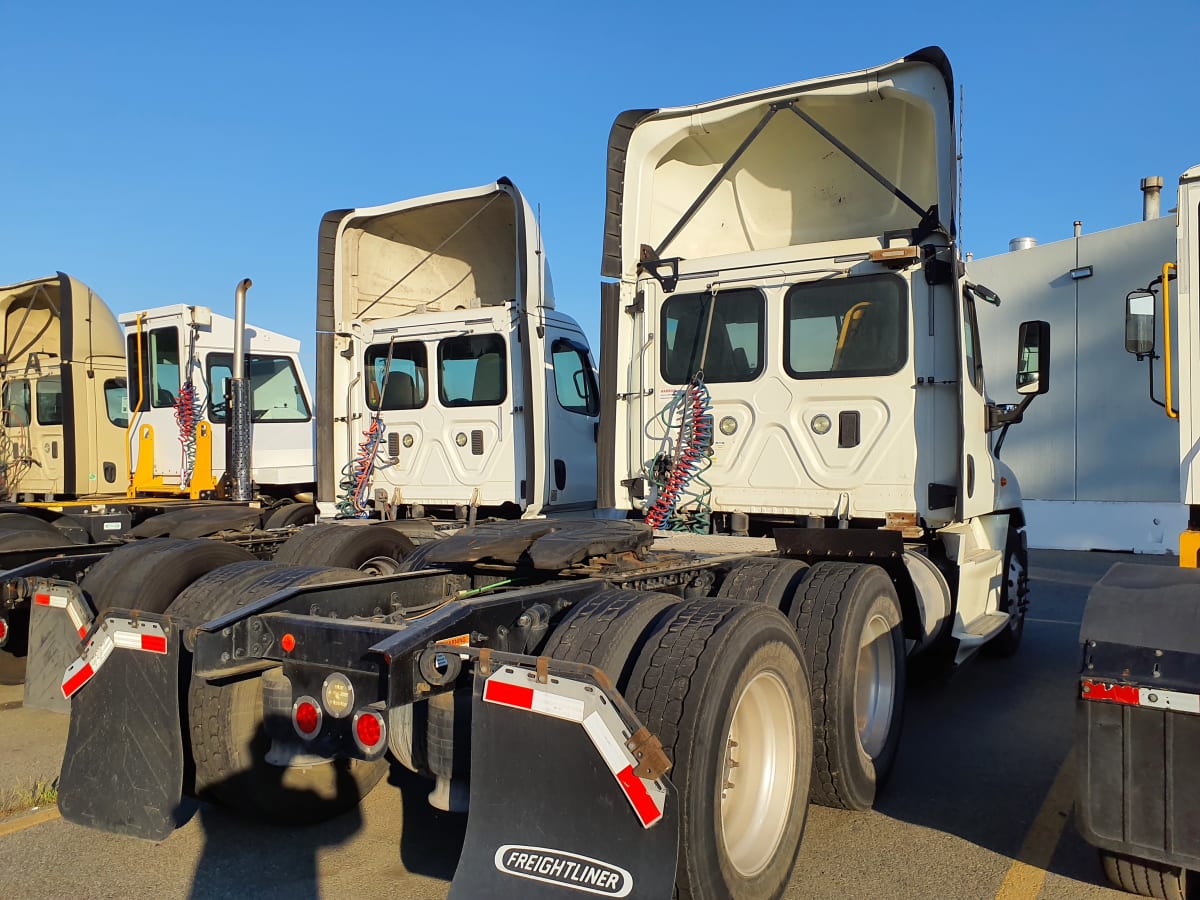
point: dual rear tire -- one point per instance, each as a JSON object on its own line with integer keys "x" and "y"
{"x": 788, "y": 688}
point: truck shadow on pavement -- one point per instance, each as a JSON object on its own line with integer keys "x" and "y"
{"x": 983, "y": 747}
{"x": 242, "y": 858}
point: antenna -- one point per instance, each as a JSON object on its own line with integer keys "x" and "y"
{"x": 961, "y": 105}
{"x": 541, "y": 304}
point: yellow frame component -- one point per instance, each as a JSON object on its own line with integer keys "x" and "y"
{"x": 1172, "y": 413}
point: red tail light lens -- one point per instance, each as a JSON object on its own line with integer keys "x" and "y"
{"x": 306, "y": 717}
{"x": 3, "y": 631}
{"x": 369, "y": 731}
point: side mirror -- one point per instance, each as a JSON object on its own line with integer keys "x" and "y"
{"x": 1139, "y": 323}
{"x": 1033, "y": 358}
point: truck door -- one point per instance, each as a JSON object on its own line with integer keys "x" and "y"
{"x": 976, "y": 494}
{"x": 46, "y": 429}
{"x": 16, "y": 453}
{"x": 572, "y": 408}
{"x": 154, "y": 380}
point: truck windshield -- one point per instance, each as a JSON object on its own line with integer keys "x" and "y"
{"x": 848, "y": 327}
{"x": 274, "y": 388}
{"x": 406, "y": 386}
{"x": 735, "y": 338}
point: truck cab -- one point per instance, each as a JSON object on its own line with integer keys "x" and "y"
{"x": 62, "y": 377}
{"x": 790, "y": 340}
{"x": 447, "y": 381}
{"x": 179, "y": 359}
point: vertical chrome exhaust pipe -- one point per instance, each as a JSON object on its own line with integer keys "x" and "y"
{"x": 238, "y": 407}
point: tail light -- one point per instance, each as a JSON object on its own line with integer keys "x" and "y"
{"x": 306, "y": 717}
{"x": 370, "y": 732}
{"x": 3, "y": 631}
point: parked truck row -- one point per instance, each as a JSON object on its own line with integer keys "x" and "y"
{"x": 791, "y": 385}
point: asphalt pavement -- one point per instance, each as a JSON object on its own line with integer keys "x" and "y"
{"x": 978, "y": 805}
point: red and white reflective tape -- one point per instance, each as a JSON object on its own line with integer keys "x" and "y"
{"x": 65, "y": 596}
{"x": 575, "y": 701}
{"x": 113, "y": 633}
{"x": 1133, "y": 695}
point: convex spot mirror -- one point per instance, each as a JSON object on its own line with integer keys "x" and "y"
{"x": 1139, "y": 323}
{"x": 1033, "y": 358}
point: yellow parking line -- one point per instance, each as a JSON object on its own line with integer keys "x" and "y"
{"x": 20, "y": 823}
{"x": 1027, "y": 874}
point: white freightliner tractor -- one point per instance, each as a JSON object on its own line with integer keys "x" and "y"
{"x": 448, "y": 384}
{"x": 790, "y": 350}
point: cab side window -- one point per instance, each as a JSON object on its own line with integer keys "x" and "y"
{"x": 16, "y": 403}
{"x": 574, "y": 379}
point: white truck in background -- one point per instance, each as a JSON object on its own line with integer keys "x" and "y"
{"x": 447, "y": 382}
{"x": 179, "y": 360}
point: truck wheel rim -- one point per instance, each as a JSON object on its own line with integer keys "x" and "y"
{"x": 758, "y": 775}
{"x": 875, "y": 685}
{"x": 380, "y": 565}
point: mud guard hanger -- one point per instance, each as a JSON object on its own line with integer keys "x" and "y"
{"x": 652, "y": 259}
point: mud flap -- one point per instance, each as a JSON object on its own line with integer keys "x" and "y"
{"x": 123, "y": 768}
{"x": 53, "y": 645}
{"x": 550, "y": 817}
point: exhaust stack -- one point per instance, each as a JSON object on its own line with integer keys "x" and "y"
{"x": 1151, "y": 197}
{"x": 238, "y": 406}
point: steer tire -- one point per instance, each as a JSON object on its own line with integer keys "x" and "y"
{"x": 836, "y": 606}
{"x": 607, "y": 630}
{"x": 347, "y": 546}
{"x": 1141, "y": 876}
{"x": 1014, "y": 589}
{"x": 225, "y": 723}
{"x": 702, "y": 661}
{"x": 148, "y": 575}
{"x": 764, "y": 580}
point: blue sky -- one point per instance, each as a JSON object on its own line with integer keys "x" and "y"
{"x": 161, "y": 152}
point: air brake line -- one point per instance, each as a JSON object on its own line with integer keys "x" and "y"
{"x": 356, "y": 475}
{"x": 187, "y": 416}
{"x": 676, "y": 482}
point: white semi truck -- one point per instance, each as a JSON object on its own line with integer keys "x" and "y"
{"x": 1138, "y": 708}
{"x": 447, "y": 382}
{"x": 790, "y": 347}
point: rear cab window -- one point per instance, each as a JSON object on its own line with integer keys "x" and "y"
{"x": 472, "y": 370}
{"x": 846, "y": 327}
{"x": 402, "y": 382}
{"x": 732, "y": 320}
